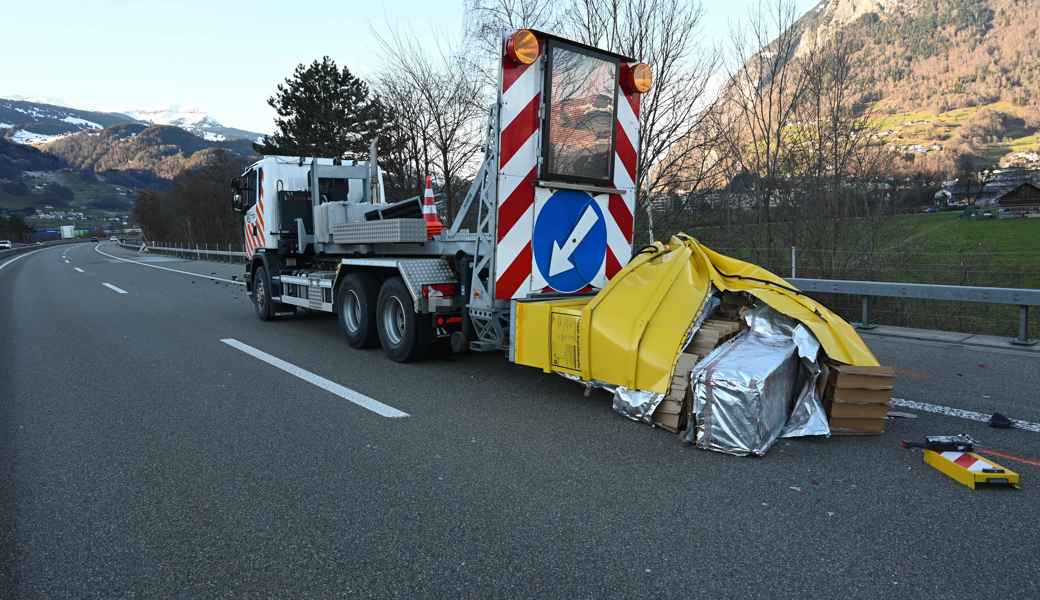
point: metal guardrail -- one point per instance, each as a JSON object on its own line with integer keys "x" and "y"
{"x": 197, "y": 251}
{"x": 1023, "y": 298}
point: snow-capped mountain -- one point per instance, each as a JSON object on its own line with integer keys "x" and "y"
{"x": 32, "y": 122}
{"x": 194, "y": 120}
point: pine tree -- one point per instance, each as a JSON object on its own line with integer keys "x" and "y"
{"x": 324, "y": 111}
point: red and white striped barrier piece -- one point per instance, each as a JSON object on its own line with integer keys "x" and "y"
{"x": 519, "y": 146}
{"x": 429, "y": 211}
{"x": 968, "y": 461}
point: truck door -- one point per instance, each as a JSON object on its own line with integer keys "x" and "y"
{"x": 254, "y": 219}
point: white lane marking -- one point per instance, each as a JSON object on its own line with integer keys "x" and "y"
{"x": 115, "y": 289}
{"x": 346, "y": 393}
{"x": 127, "y": 260}
{"x": 66, "y": 261}
{"x": 21, "y": 256}
{"x": 79, "y": 270}
{"x": 961, "y": 413}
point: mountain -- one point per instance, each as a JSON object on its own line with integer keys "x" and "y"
{"x": 140, "y": 155}
{"x": 195, "y": 121}
{"x": 37, "y": 122}
{"x": 946, "y": 77}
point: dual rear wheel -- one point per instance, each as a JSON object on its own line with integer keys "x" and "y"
{"x": 371, "y": 313}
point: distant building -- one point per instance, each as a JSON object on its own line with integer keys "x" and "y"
{"x": 958, "y": 193}
{"x": 1020, "y": 201}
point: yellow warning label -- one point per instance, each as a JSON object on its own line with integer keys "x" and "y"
{"x": 566, "y": 342}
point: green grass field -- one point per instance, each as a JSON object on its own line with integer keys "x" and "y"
{"x": 939, "y": 248}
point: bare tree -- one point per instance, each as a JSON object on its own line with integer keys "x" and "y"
{"x": 447, "y": 88}
{"x": 485, "y": 19}
{"x": 759, "y": 107}
{"x": 675, "y": 144}
{"x": 405, "y": 146}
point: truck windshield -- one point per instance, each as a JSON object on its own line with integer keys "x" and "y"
{"x": 580, "y": 128}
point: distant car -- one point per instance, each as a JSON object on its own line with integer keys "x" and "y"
{"x": 93, "y": 239}
{"x": 987, "y": 214}
{"x": 6, "y": 245}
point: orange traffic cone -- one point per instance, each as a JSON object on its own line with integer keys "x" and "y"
{"x": 429, "y": 212}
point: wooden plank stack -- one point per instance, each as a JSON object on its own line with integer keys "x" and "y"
{"x": 711, "y": 335}
{"x": 671, "y": 414}
{"x": 856, "y": 399}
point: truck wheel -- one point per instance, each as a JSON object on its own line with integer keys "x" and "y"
{"x": 262, "y": 295}
{"x": 404, "y": 335}
{"x": 356, "y": 309}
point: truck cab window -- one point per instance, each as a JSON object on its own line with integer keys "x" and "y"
{"x": 249, "y": 192}
{"x": 582, "y": 97}
{"x": 333, "y": 190}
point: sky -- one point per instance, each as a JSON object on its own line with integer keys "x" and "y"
{"x": 222, "y": 56}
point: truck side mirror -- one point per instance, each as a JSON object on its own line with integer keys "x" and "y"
{"x": 236, "y": 202}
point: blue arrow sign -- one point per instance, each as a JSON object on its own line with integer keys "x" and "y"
{"x": 570, "y": 240}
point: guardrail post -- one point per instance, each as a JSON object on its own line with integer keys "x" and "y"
{"x": 794, "y": 262}
{"x": 865, "y": 321}
{"x": 1023, "y": 328}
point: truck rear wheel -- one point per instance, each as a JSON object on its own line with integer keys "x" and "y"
{"x": 356, "y": 309}
{"x": 404, "y": 335}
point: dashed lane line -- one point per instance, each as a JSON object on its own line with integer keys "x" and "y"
{"x": 346, "y": 393}
{"x": 136, "y": 262}
{"x": 115, "y": 289}
{"x": 79, "y": 270}
{"x": 961, "y": 413}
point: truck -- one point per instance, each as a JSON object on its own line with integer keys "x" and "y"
{"x": 68, "y": 232}
{"x": 553, "y": 199}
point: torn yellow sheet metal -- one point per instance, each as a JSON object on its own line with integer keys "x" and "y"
{"x": 631, "y": 332}
{"x": 838, "y": 338}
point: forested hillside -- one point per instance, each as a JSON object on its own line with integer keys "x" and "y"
{"x": 945, "y": 78}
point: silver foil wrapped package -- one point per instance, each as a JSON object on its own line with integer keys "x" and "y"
{"x": 741, "y": 395}
{"x": 756, "y": 387}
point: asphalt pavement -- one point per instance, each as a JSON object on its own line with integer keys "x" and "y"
{"x": 149, "y": 451}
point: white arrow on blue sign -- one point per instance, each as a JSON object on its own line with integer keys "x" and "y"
{"x": 570, "y": 240}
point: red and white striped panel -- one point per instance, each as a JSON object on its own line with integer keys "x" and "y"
{"x": 621, "y": 207}
{"x": 968, "y": 461}
{"x": 516, "y": 275}
{"x": 519, "y": 147}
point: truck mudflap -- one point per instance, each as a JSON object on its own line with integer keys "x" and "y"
{"x": 632, "y": 332}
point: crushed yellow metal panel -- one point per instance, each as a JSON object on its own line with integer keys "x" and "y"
{"x": 631, "y": 332}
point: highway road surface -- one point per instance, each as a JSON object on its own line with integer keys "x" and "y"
{"x": 158, "y": 441}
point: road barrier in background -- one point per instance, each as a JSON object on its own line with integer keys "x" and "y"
{"x": 199, "y": 251}
{"x": 31, "y": 247}
{"x": 1023, "y": 298}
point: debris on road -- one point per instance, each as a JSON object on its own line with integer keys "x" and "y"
{"x": 720, "y": 350}
{"x": 954, "y": 456}
{"x": 970, "y": 469}
{"x": 999, "y": 421}
{"x": 857, "y": 398}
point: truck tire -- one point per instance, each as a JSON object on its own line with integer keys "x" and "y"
{"x": 265, "y": 307}
{"x": 356, "y": 297}
{"x": 404, "y": 335}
